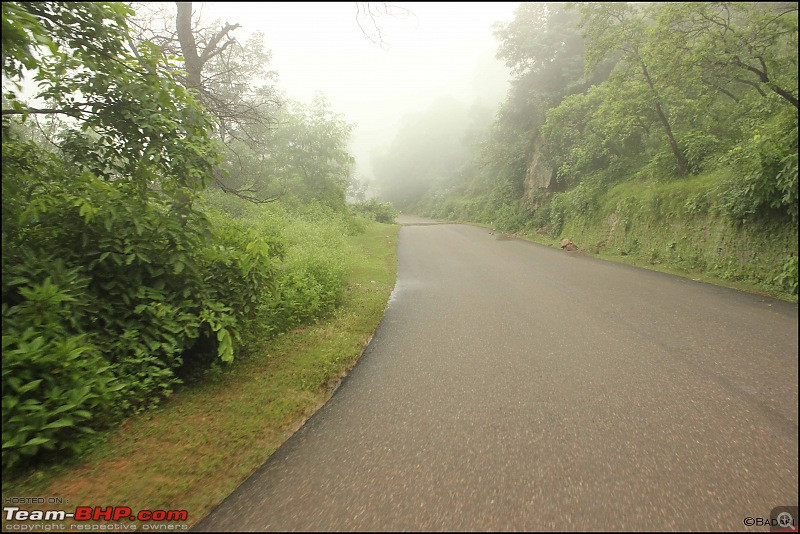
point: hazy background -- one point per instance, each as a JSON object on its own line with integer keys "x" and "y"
{"x": 435, "y": 49}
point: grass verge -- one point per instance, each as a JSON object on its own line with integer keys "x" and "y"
{"x": 195, "y": 449}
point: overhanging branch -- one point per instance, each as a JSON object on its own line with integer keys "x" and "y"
{"x": 45, "y": 111}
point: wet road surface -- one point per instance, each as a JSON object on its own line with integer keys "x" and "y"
{"x": 512, "y": 386}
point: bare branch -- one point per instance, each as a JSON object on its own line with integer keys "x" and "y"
{"x": 728, "y": 94}
{"x": 367, "y": 15}
{"x": 72, "y": 112}
{"x": 44, "y": 134}
{"x": 764, "y": 77}
{"x": 210, "y": 50}
{"x": 242, "y": 193}
{"x": 138, "y": 56}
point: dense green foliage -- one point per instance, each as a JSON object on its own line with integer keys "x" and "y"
{"x": 308, "y": 240}
{"x": 126, "y": 270}
{"x": 661, "y": 98}
{"x": 300, "y": 157}
{"x": 96, "y": 227}
{"x": 121, "y": 275}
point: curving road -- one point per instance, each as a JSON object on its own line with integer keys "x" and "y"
{"x": 512, "y": 386}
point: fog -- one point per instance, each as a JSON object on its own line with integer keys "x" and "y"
{"x": 425, "y": 51}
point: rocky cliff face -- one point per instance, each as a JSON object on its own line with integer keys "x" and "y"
{"x": 540, "y": 177}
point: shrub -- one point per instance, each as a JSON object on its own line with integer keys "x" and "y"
{"x": 119, "y": 285}
{"x": 382, "y": 212}
{"x": 766, "y": 173}
{"x": 311, "y": 279}
{"x": 56, "y": 385}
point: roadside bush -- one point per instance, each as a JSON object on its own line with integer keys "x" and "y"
{"x": 56, "y": 385}
{"x": 308, "y": 248}
{"x": 311, "y": 279}
{"x": 106, "y": 288}
{"x": 766, "y": 173}
{"x": 786, "y": 280}
{"x": 382, "y": 212}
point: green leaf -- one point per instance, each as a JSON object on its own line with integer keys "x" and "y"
{"x": 225, "y": 345}
{"x": 36, "y": 441}
{"x": 30, "y": 386}
{"x": 63, "y": 422}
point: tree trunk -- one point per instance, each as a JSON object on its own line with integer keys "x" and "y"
{"x": 194, "y": 66}
{"x": 680, "y": 159}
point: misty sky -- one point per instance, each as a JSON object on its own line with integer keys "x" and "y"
{"x": 440, "y": 48}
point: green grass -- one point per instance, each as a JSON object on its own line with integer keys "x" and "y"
{"x": 696, "y": 275}
{"x": 203, "y": 442}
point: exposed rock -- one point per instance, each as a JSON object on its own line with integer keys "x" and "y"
{"x": 540, "y": 175}
{"x": 568, "y": 245}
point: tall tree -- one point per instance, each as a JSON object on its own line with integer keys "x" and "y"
{"x": 130, "y": 106}
{"x": 543, "y": 41}
{"x": 742, "y": 45}
{"x": 612, "y": 28}
{"x": 230, "y": 78}
{"x": 304, "y": 156}
{"x": 544, "y": 49}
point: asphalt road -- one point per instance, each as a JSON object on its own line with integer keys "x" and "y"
{"x": 512, "y": 386}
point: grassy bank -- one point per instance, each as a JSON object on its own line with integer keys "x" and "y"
{"x": 680, "y": 227}
{"x": 191, "y": 452}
